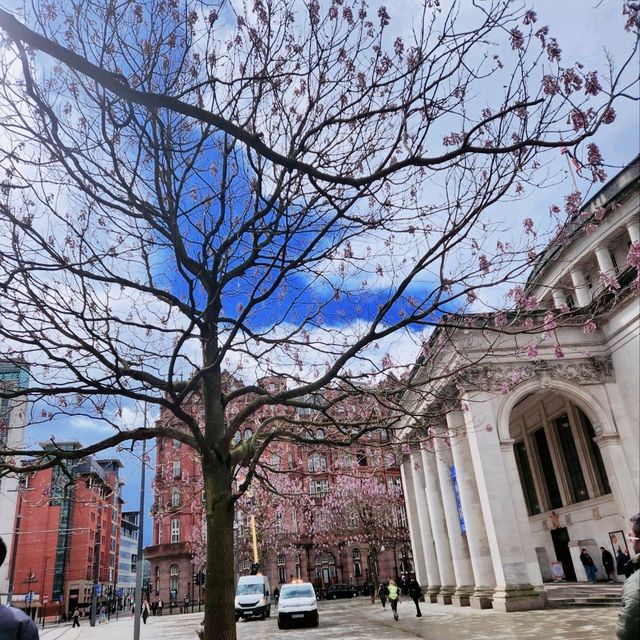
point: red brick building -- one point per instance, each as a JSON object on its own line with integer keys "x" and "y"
{"x": 178, "y": 546}
{"x": 68, "y": 535}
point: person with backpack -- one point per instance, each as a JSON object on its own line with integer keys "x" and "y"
{"x": 394, "y": 598}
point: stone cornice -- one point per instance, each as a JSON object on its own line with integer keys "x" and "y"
{"x": 504, "y": 377}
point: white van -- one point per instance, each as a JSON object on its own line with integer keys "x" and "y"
{"x": 253, "y": 597}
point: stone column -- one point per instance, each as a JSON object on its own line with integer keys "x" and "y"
{"x": 580, "y": 285}
{"x": 462, "y": 568}
{"x": 428, "y": 544}
{"x": 559, "y": 298}
{"x": 510, "y": 553}
{"x": 623, "y": 487}
{"x": 415, "y": 534}
{"x": 438, "y": 527}
{"x": 481, "y": 563}
{"x": 633, "y": 227}
{"x": 605, "y": 263}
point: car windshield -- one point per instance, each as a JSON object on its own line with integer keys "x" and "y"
{"x": 297, "y": 592}
{"x": 254, "y": 588}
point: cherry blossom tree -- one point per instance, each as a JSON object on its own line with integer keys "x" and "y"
{"x": 282, "y": 190}
{"x": 363, "y": 510}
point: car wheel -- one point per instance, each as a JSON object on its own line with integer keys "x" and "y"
{"x": 353, "y": 595}
{"x": 334, "y": 597}
{"x": 316, "y": 622}
{"x": 237, "y": 618}
{"x": 281, "y": 624}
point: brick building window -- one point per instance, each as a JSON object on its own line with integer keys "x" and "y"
{"x": 174, "y": 576}
{"x": 175, "y": 497}
{"x": 357, "y": 564}
{"x": 175, "y": 530}
{"x": 282, "y": 568}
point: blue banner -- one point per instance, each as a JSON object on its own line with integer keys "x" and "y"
{"x": 456, "y": 492}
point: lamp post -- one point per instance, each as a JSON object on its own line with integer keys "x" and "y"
{"x": 140, "y": 562}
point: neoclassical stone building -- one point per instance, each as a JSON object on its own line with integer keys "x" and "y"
{"x": 532, "y": 454}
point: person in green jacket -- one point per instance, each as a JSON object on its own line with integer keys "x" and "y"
{"x": 394, "y": 598}
{"x": 628, "y": 626}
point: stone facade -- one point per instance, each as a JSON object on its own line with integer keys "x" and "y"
{"x": 544, "y": 450}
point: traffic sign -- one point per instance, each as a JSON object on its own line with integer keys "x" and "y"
{"x": 98, "y": 589}
{"x": 28, "y": 597}
{"x": 118, "y": 592}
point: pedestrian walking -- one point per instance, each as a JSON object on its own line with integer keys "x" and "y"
{"x": 628, "y": 625}
{"x": 607, "y": 563}
{"x": 589, "y": 566}
{"x": 145, "y": 611}
{"x": 160, "y": 605}
{"x": 383, "y": 594}
{"x": 623, "y": 563}
{"x": 394, "y": 598}
{"x": 75, "y": 616}
{"x": 15, "y": 624}
{"x": 416, "y": 593}
{"x": 103, "y": 615}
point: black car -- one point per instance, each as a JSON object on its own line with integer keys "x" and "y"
{"x": 336, "y": 591}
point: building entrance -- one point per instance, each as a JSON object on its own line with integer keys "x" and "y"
{"x": 560, "y": 539}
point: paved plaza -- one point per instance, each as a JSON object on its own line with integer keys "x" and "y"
{"x": 359, "y": 620}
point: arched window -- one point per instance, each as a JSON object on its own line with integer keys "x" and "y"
{"x": 248, "y": 433}
{"x": 282, "y": 568}
{"x": 175, "y": 497}
{"x": 325, "y": 567}
{"x": 236, "y": 438}
{"x": 174, "y": 576}
{"x": 320, "y": 434}
{"x": 362, "y": 458}
{"x": 357, "y": 564}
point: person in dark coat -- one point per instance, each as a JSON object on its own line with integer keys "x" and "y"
{"x": 623, "y": 563}
{"x": 383, "y": 593}
{"x": 416, "y": 593}
{"x": 607, "y": 563}
{"x": 589, "y": 566}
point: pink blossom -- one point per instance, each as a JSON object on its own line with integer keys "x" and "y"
{"x": 549, "y": 321}
{"x": 558, "y": 352}
{"x": 633, "y": 258}
{"x": 590, "y": 327}
{"x": 528, "y": 323}
{"x": 517, "y": 39}
{"x": 529, "y": 17}
{"x": 504, "y": 388}
{"x": 516, "y": 376}
{"x": 484, "y": 263}
{"x": 609, "y": 115}
{"x": 572, "y": 203}
{"x": 590, "y": 228}
{"x": 592, "y": 84}
{"x": 528, "y": 226}
{"x": 553, "y": 50}
{"x": 550, "y": 85}
{"x": 532, "y": 350}
{"x": 488, "y": 428}
{"x": 609, "y": 281}
{"x": 501, "y": 319}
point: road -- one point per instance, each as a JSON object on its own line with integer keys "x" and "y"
{"x": 358, "y": 620}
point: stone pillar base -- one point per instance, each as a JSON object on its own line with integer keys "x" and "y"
{"x": 431, "y": 594}
{"x": 444, "y": 595}
{"x": 481, "y": 602}
{"x": 521, "y": 598}
{"x": 460, "y": 600}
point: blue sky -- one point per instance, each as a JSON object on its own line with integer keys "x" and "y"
{"x": 585, "y": 32}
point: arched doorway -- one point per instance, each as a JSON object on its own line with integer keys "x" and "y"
{"x": 325, "y": 568}
{"x": 563, "y": 477}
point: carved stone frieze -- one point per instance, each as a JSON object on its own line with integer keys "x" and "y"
{"x": 504, "y": 377}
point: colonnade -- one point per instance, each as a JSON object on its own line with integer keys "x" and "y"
{"x": 468, "y": 519}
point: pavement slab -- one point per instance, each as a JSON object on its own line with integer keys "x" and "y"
{"x": 359, "y": 620}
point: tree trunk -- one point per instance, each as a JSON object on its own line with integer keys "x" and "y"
{"x": 219, "y": 617}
